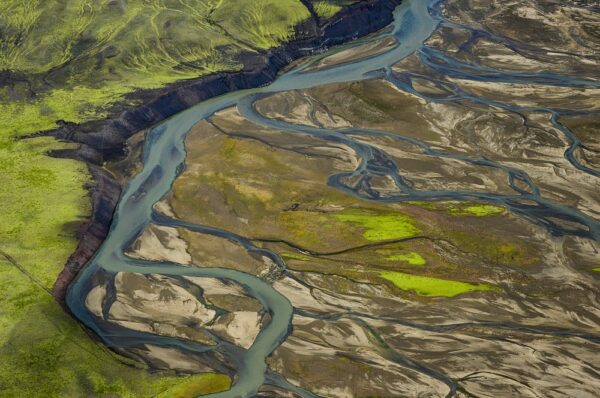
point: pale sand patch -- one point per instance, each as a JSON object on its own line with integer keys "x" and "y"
{"x": 161, "y": 243}
{"x": 158, "y": 305}
{"x": 240, "y": 327}
{"x": 94, "y": 299}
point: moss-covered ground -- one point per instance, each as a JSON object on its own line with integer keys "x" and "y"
{"x": 273, "y": 195}
{"x": 428, "y": 286}
{"x": 381, "y": 226}
{"x": 411, "y": 258}
{"x": 328, "y": 8}
{"x": 73, "y": 60}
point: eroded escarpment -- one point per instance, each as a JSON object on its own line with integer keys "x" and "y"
{"x": 107, "y": 139}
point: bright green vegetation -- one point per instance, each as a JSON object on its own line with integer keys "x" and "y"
{"x": 428, "y": 286}
{"x": 39, "y": 195}
{"x": 328, "y": 8}
{"x": 198, "y": 385}
{"x": 411, "y": 258}
{"x": 478, "y": 210}
{"x": 93, "y": 53}
{"x": 294, "y": 256}
{"x": 378, "y": 227}
{"x": 461, "y": 208}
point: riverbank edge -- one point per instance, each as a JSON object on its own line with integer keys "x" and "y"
{"x": 107, "y": 139}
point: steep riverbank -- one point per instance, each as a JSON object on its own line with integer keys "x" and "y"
{"x": 105, "y": 140}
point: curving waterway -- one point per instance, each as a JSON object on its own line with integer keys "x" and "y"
{"x": 164, "y": 157}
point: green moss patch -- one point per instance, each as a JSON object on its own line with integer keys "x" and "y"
{"x": 477, "y": 210}
{"x": 325, "y": 9}
{"x": 82, "y": 57}
{"x": 428, "y": 286}
{"x": 196, "y": 385}
{"x": 294, "y": 256}
{"x": 461, "y": 208}
{"x": 379, "y": 227}
{"x": 328, "y": 8}
{"x": 39, "y": 195}
{"x": 597, "y": 269}
{"x": 411, "y": 258}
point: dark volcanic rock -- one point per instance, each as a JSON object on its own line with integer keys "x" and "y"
{"x": 106, "y": 139}
{"x": 105, "y": 195}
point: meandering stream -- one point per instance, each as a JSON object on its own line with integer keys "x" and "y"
{"x": 164, "y": 157}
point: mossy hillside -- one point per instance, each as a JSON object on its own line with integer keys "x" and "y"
{"x": 328, "y": 8}
{"x": 325, "y": 9}
{"x": 73, "y": 60}
{"x": 39, "y": 196}
{"x": 263, "y": 23}
{"x": 428, "y": 286}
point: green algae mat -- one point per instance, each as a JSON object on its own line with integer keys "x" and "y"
{"x": 428, "y": 286}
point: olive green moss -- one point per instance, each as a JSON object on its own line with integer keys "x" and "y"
{"x": 379, "y": 227}
{"x": 82, "y": 57}
{"x": 597, "y": 269}
{"x": 466, "y": 208}
{"x": 328, "y": 8}
{"x": 294, "y": 256}
{"x": 498, "y": 250}
{"x": 477, "y": 210}
{"x": 411, "y": 258}
{"x": 196, "y": 385}
{"x": 428, "y": 286}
